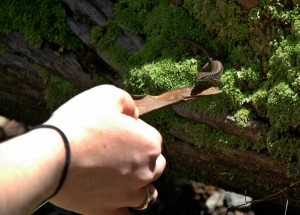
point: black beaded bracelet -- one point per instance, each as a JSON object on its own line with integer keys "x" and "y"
{"x": 68, "y": 157}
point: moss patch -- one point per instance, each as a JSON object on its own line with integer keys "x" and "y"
{"x": 206, "y": 136}
{"x": 57, "y": 89}
{"x": 3, "y": 48}
{"x": 39, "y": 21}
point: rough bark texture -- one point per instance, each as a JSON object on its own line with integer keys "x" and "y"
{"x": 232, "y": 169}
{"x": 249, "y": 4}
{"x": 224, "y": 123}
{"x": 65, "y": 65}
{"x": 22, "y": 87}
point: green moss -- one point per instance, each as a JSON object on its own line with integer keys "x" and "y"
{"x": 242, "y": 116}
{"x": 284, "y": 62}
{"x": 235, "y": 96}
{"x": 206, "y": 136}
{"x": 96, "y": 34}
{"x": 259, "y": 100}
{"x": 104, "y": 39}
{"x": 283, "y": 107}
{"x": 296, "y": 27}
{"x": 58, "y": 90}
{"x": 224, "y": 20}
{"x": 3, "y": 48}
{"x": 210, "y": 105}
{"x": 117, "y": 55}
{"x": 39, "y": 21}
{"x": 286, "y": 148}
{"x": 164, "y": 120}
{"x": 110, "y": 32}
{"x": 238, "y": 87}
{"x": 159, "y": 21}
{"x": 131, "y": 15}
{"x": 99, "y": 79}
{"x": 161, "y": 76}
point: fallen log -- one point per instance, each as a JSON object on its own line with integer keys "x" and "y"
{"x": 234, "y": 170}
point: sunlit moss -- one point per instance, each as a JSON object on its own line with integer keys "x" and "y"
{"x": 259, "y": 49}
{"x": 206, "y": 136}
{"x": 161, "y": 76}
{"x": 283, "y": 107}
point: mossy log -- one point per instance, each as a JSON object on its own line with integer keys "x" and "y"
{"x": 36, "y": 79}
{"x": 255, "y": 174}
{"x": 64, "y": 65}
{"x": 225, "y": 123}
{"x": 25, "y": 71}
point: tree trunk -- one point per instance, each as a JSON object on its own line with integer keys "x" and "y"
{"x": 22, "y": 97}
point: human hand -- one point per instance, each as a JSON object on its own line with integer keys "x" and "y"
{"x": 114, "y": 155}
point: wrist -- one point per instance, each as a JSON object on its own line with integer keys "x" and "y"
{"x": 50, "y": 159}
{"x": 31, "y": 163}
{"x": 67, "y": 156}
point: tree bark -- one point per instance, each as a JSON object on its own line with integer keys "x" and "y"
{"x": 64, "y": 65}
{"x": 233, "y": 169}
{"x": 225, "y": 123}
{"x": 22, "y": 87}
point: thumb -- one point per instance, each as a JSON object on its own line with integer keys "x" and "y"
{"x": 129, "y": 107}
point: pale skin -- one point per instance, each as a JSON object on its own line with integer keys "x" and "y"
{"x": 114, "y": 156}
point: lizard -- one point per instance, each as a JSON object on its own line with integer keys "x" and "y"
{"x": 216, "y": 67}
{"x": 150, "y": 103}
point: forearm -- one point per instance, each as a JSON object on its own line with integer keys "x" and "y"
{"x": 30, "y": 170}
{"x": 115, "y": 158}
